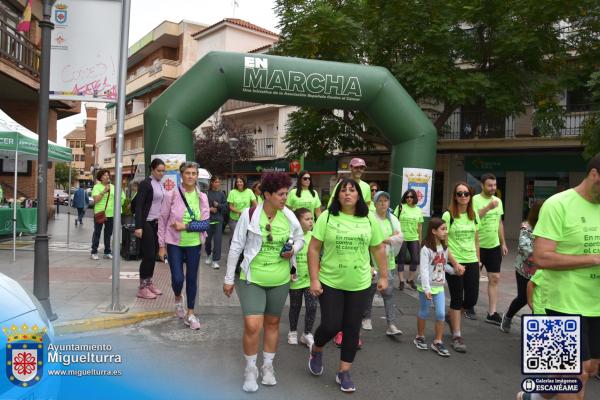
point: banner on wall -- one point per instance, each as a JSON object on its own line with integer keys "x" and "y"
{"x": 420, "y": 180}
{"x": 85, "y": 50}
{"x": 172, "y": 178}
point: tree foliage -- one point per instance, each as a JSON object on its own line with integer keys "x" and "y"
{"x": 496, "y": 56}
{"x": 591, "y": 130}
{"x": 61, "y": 175}
{"x": 213, "y": 151}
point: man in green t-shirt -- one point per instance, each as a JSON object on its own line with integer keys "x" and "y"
{"x": 567, "y": 247}
{"x": 357, "y": 169}
{"x": 491, "y": 239}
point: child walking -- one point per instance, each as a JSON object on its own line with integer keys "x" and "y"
{"x": 300, "y": 287}
{"x": 434, "y": 260}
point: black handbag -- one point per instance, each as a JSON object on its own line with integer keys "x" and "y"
{"x": 194, "y": 225}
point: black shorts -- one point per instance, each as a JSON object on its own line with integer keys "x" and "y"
{"x": 491, "y": 258}
{"x": 590, "y": 336}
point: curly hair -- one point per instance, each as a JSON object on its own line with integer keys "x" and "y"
{"x": 407, "y": 193}
{"x": 362, "y": 210}
{"x": 101, "y": 173}
{"x": 271, "y": 182}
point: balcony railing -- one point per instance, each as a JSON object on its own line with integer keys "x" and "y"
{"x": 18, "y": 49}
{"x": 265, "y": 147}
{"x": 231, "y": 105}
{"x": 478, "y": 125}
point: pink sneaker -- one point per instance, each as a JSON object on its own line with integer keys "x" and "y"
{"x": 145, "y": 293}
{"x": 153, "y": 288}
{"x": 179, "y": 311}
{"x": 338, "y": 339}
{"x": 192, "y": 321}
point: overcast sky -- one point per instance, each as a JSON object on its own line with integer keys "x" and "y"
{"x": 148, "y": 14}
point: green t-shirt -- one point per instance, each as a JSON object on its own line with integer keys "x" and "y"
{"x": 410, "y": 218}
{"x": 490, "y": 223}
{"x": 302, "y": 265}
{"x": 364, "y": 187}
{"x": 259, "y": 200}
{"x": 345, "y": 264}
{"x": 99, "y": 206}
{"x": 388, "y": 226}
{"x": 461, "y": 237}
{"x": 538, "y": 298}
{"x": 188, "y": 239}
{"x": 305, "y": 200}
{"x": 574, "y": 224}
{"x": 268, "y": 267}
{"x": 241, "y": 201}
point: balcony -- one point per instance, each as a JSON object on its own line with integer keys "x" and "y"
{"x": 133, "y": 121}
{"x": 231, "y": 105}
{"x": 265, "y": 147}
{"x": 469, "y": 125}
{"x": 18, "y": 49}
{"x": 162, "y": 69}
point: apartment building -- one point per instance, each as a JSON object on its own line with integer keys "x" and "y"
{"x": 76, "y": 141}
{"x": 154, "y": 62}
{"x": 19, "y": 86}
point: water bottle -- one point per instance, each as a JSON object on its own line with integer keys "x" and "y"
{"x": 287, "y": 247}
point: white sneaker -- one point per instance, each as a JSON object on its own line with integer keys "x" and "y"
{"x": 307, "y": 339}
{"x": 95, "y": 256}
{"x": 268, "y": 374}
{"x": 392, "y": 330}
{"x": 108, "y": 257}
{"x": 367, "y": 325}
{"x": 293, "y": 337}
{"x": 215, "y": 265}
{"x": 208, "y": 260}
{"x": 250, "y": 379}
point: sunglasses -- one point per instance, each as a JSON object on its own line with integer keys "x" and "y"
{"x": 373, "y": 190}
{"x": 270, "y": 235}
{"x": 410, "y": 197}
{"x": 306, "y": 178}
{"x": 463, "y": 194}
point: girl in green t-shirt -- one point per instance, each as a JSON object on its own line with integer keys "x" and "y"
{"x": 300, "y": 287}
{"x": 411, "y": 221}
{"x": 304, "y": 195}
{"x": 463, "y": 242}
{"x": 348, "y": 233}
{"x": 257, "y": 192}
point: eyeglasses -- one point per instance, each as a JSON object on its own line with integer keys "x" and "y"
{"x": 306, "y": 178}
{"x": 463, "y": 194}
{"x": 270, "y": 235}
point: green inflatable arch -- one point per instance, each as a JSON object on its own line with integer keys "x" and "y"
{"x": 219, "y": 76}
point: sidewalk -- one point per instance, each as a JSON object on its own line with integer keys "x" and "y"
{"x": 80, "y": 288}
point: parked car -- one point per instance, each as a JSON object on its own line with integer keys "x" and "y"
{"x": 20, "y": 309}
{"x": 61, "y": 197}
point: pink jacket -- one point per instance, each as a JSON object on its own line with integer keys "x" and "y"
{"x": 173, "y": 209}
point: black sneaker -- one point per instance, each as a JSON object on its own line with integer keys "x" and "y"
{"x": 412, "y": 285}
{"x": 470, "y": 313}
{"x": 494, "y": 318}
{"x": 401, "y": 285}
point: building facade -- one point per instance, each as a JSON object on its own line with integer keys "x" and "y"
{"x": 19, "y": 86}
{"x": 76, "y": 141}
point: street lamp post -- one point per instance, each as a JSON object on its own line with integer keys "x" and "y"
{"x": 233, "y": 144}
{"x": 41, "y": 264}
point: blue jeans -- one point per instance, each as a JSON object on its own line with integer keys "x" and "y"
{"x": 191, "y": 256}
{"x": 80, "y": 214}
{"x": 108, "y": 229}
{"x": 215, "y": 233}
{"x": 439, "y": 301}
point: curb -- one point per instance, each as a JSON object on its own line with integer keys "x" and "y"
{"x": 109, "y": 322}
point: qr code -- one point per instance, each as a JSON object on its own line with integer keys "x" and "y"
{"x": 551, "y": 344}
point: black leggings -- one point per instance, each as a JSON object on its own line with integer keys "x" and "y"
{"x": 310, "y": 302}
{"x": 149, "y": 249}
{"x": 414, "y": 250}
{"x": 341, "y": 310}
{"x": 521, "y": 300}
{"x": 464, "y": 290}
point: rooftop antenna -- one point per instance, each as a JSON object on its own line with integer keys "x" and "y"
{"x": 235, "y": 3}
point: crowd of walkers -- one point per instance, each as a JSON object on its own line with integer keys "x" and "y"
{"x": 284, "y": 245}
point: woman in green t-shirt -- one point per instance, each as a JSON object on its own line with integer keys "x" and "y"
{"x": 103, "y": 193}
{"x": 463, "y": 242}
{"x": 411, "y": 221}
{"x": 257, "y": 192}
{"x": 264, "y": 280}
{"x": 304, "y": 195}
{"x": 348, "y": 233}
{"x": 238, "y": 200}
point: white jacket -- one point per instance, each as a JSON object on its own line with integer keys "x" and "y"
{"x": 247, "y": 237}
